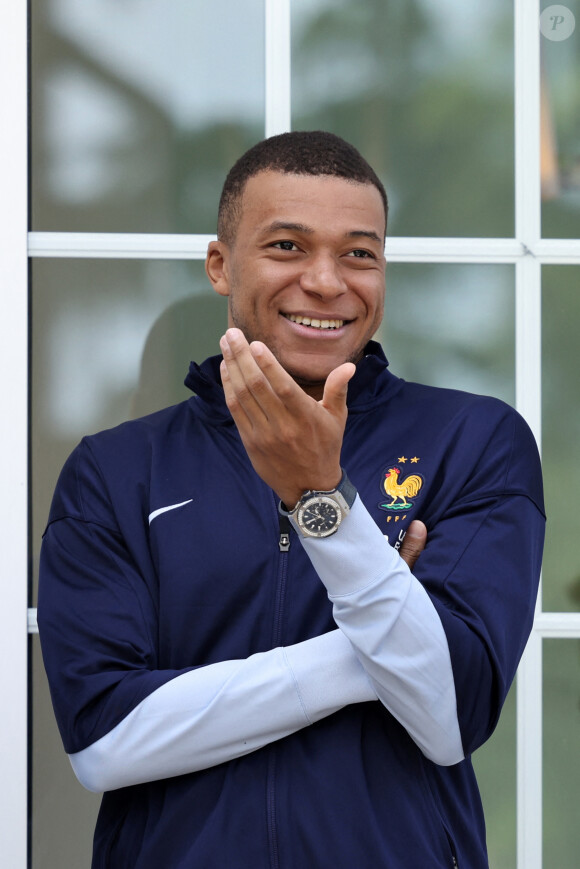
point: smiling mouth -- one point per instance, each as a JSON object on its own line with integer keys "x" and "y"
{"x": 314, "y": 323}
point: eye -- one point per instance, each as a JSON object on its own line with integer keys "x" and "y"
{"x": 285, "y": 245}
{"x": 361, "y": 254}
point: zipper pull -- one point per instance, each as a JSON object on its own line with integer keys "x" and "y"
{"x": 284, "y": 539}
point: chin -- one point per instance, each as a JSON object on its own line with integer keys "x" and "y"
{"x": 312, "y": 369}
{"x": 311, "y": 373}
{"x": 311, "y": 381}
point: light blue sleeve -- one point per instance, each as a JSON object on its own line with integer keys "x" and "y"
{"x": 225, "y": 710}
{"x": 395, "y": 630}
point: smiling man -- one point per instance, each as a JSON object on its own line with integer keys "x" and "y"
{"x": 250, "y": 648}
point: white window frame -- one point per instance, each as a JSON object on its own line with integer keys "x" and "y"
{"x": 14, "y": 452}
{"x": 527, "y": 251}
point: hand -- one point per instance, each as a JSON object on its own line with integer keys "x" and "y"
{"x": 292, "y": 440}
{"x": 413, "y": 543}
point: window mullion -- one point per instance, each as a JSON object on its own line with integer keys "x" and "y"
{"x": 278, "y": 108}
{"x": 527, "y": 122}
{"x": 14, "y": 454}
{"x": 529, "y": 755}
{"x": 528, "y": 399}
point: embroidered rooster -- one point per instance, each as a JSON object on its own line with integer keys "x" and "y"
{"x": 401, "y": 491}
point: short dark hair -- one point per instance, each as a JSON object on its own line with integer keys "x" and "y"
{"x": 311, "y": 152}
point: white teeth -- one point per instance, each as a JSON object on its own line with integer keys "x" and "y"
{"x": 313, "y": 323}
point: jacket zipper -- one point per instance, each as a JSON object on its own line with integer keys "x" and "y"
{"x": 284, "y": 547}
{"x": 284, "y": 539}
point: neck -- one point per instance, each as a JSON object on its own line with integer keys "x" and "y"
{"x": 312, "y": 388}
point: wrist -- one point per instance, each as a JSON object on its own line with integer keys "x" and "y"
{"x": 289, "y": 502}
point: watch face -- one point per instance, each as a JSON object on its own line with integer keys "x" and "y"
{"x": 319, "y": 517}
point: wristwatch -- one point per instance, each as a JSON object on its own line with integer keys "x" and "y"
{"x": 318, "y": 514}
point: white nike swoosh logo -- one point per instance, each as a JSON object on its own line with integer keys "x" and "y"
{"x": 161, "y": 510}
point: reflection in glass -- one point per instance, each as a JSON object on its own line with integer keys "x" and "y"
{"x": 561, "y": 729}
{"x": 560, "y": 132}
{"x": 139, "y": 109}
{"x": 425, "y": 91}
{"x": 561, "y": 435}
{"x": 452, "y": 325}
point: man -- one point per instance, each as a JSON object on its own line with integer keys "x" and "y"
{"x": 238, "y": 655}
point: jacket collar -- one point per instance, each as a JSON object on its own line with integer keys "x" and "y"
{"x": 371, "y": 383}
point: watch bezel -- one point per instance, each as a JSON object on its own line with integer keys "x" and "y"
{"x": 332, "y": 500}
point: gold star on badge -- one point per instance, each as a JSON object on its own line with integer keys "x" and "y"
{"x": 414, "y": 460}
{"x": 402, "y": 460}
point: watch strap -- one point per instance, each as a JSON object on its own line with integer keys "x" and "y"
{"x": 346, "y": 489}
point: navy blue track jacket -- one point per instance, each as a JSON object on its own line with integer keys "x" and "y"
{"x": 164, "y": 562}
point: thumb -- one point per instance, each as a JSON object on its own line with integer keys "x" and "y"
{"x": 414, "y": 542}
{"x": 336, "y": 386}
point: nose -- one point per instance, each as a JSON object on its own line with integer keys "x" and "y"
{"x": 322, "y": 277}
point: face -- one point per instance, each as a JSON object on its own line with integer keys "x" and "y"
{"x": 306, "y": 271}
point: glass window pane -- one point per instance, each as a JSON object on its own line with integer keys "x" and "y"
{"x": 495, "y": 767}
{"x": 425, "y": 91}
{"x": 560, "y": 129}
{"x": 561, "y": 435}
{"x": 63, "y": 813}
{"x": 139, "y": 109}
{"x": 452, "y": 325}
{"x": 561, "y": 752}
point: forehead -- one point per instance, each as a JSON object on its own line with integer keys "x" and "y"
{"x": 316, "y": 201}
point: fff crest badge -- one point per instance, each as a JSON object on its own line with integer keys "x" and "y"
{"x": 401, "y": 484}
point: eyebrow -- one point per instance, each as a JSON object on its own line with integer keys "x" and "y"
{"x": 278, "y": 225}
{"x": 292, "y": 227}
{"x": 365, "y": 233}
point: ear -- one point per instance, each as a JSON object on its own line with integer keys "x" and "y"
{"x": 217, "y": 267}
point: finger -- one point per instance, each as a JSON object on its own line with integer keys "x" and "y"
{"x": 283, "y": 386}
{"x": 336, "y": 388}
{"x": 240, "y": 417}
{"x": 414, "y": 542}
{"x": 246, "y": 383}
